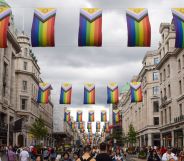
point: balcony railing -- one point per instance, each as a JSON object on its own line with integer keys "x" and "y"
{"x": 179, "y": 119}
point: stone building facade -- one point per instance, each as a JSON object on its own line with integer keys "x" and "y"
{"x": 144, "y": 115}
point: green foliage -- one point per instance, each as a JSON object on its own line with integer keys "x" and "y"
{"x": 118, "y": 135}
{"x": 38, "y": 129}
{"x": 142, "y": 155}
{"x": 132, "y": 135}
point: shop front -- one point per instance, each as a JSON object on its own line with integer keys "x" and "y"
{"x": 167, "y": 139}
{"x": 178, "y": 138}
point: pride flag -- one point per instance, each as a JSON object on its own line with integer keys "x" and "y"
{"x": 66, "y": 92}
{"x": 139, "y": 28}
{"x": 79, "y": 116}
{"x": 89, "y": 93}
{"x": 178, "y": 16}
{"x": 91, "y": 116}
{"x": 90, "y": 29}
{"x": 73, "y": 125}
{"x": 116, "y": 116}
{"x": 103, "y": 116}
{"x": 98, "y": 125}
{"x": 67, "y": 116}
{"x": 5, "y": 13}
{"x": 136, "y": 92}
{"x": 89, "y": 126}
{"x": 44, "y": 93}
{"x": 112, "y": 93}
{"x": 43, "y": 27}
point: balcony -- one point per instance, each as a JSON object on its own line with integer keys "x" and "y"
{"x": 179, "y": 119}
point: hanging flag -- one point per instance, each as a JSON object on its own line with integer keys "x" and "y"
{"x": 136, "y": 92}
{"x": 97, "y": 130}
{"x": 178, "y": 16}
{"x": 79, "y": 116}
{"x": 66, "y": 92}
{"x": 89, "y": 125}
{"x": 89, "y": 93}
{"x": 42, "y": 33}
{"x": 67, "y": 116}
{"x": 80, "y": 125}
{"x": 73, "y": 125}
{"x": 5, "y": 13}
{"x": 116, "y": 116}
{"x": 103, "y": 116}
{"x": 98, "y": 125}
{"x": 106, "y": 126}
{"x": 112, "y": 93}
{"x": 90, "y": 28}
{"x": 91, "y": 116}
{"x": 139, "y": 28}
{"x": 44, "y": 93}
{"x": 89, "y": 130}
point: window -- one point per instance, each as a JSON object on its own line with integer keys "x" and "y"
{"x": 161, "y": 77}
{"x": 156, "y": 90}
{"x": 162, "y": 117}
{"x": 156, "y": 120}
{"x": 164, "y": 75}
{"x": 5, "y": 74}
{"x": 155, "y": 75}
{"x": 156, "y": 106}
{"x": 23, "y": 103}
{"x": 161, "y": 94}
{"x": 170, "y": 114}
{"x": 179, "y": 64}
{"x": 169, "y": 90}
{"x": 24, "y": 85}
{"x": 165, "y": 92}
{"x": 180, "y": 87}
{"x": 181, "y": 112}
{"x": 156, "y": 61}
{"x": 25, "y": 65}
{"x": 165, "y": 116}
{"x": 168, "y": 70}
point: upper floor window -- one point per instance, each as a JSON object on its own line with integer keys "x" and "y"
{"x": 179, "y": 64}
{"x": 168, "y": 70}
{"x": 23, "y": 103}
{"x": 156, "y": 106}
{"x": 24, "y": 85}
{"x": 160, "y": 77}
{"x": 162, "y": 117}
{"x": 156, "y": 120}
{"x": 155, "y": 75}
{"x": 156, "y": 90}
{"x": 164, "y": 75}
{"x": 25, "y": 66}
{"x": 180, "y": 87}
{"x": 181, "y": 111}
{"x": 169, "y": 90}
{"x": 156, "y": 61}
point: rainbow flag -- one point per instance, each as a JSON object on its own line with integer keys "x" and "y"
{"x": 116, "y": 116}
{"x": 103, "y": 116}
{"x": 66, "y": 92}
{"x": 178, "y": 16}
{"x": 136, "y": 92}
{"x": 73, "y": 125}
{"x": 98, "y": 125}
{"x": 80, "y": 125}
{"x": 106, "y": 126}
{"x": 139, "y": 28}
{"x": 112, "y": 93}
{"x": 91, "y": 116}
{"x": 79, "y": 116}
{"x": 5, "y": 13}
{"x": 89, "y": 126}
{"x": 89, "y": 130}
{"x": 90, "y": 29}
{"x": 44, "y": 93}
{"x": 89, "y": 93}
{"x": 67, "y": 116}
{"x": 42, "y": 33}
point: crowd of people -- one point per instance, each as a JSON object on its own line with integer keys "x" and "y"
{"x": 88, "y": 153}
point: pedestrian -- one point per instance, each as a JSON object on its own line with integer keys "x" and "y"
{"x": 169, "y": 156}
{"x": 11, "y": 154}
{"x": 103, "y": 156}
{"x": 66, "y": 157}
{"x": 76, "y": 156}
{"x": 118, "y": 156}
{"x": 39, "y": 158}
{"x": 53, "y": 154}
{"x": 153, "y": 156}
{"x": 181, "y": 156}
{"x": 24, "y": 155}
{"x": 87, "y": 154}
{"x": 45, "y": 154}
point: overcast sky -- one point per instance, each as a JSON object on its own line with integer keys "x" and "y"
{"x": 113, "y": 62}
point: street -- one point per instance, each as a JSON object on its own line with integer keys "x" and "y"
{"x": 134, "y": 158}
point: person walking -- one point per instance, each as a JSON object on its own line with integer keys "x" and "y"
{"x": 87, "y": 155}
{"x": 11, "y": 155}
{"x": 103, "y": 156}
{"x": 153, "y": 156}
{"x": 24, "y": 155}
{"x": 66, "y": 157}
{"x": 169, "y": 156}
{"x": 181, "y": 156}
{"x": 53, "y": 155}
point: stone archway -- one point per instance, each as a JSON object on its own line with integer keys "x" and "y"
{"x": 20, "y": 140}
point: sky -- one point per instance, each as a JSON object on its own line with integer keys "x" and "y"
{"x": 113, "y": 62}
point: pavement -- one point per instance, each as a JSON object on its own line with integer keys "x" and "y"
{"x": 134, "y": 158}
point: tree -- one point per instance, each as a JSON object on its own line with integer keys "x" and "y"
{"x": 118, "y": 135}
{"x": 132, "y": 135}
{"x": 38, "y": 129}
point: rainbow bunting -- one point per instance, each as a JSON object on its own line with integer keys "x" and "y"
{"x": 73, "y": 125}
{"x": 139, "y": 28}
{"x": 44, "y": 93}
{"x": 67, "y": 116}
{"x": 79, "y": 116}
{"x": 42, "y": 33}
{"x": 106, "y": 126}
{"x": 103, "y": 116}
{"x": 112, "y": 93}
{"x": 5, "y": 13}
{"x": 136, "y": 92}
{"x": 80, "y": 125}
{"x": 98, "y": 125}
{"x": 66, "y": 92}
{"x": 91, "y": 116}
{"x": 89, "y": 93}
{"x": 116, "y": 116}
{"x": 178, "y": 15}
{"x": 89, "y": 126}
{"x": 90, "y": 29}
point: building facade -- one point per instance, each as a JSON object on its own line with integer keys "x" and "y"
{"x": 144, "y": 115}
{"x": 171, "y": 69}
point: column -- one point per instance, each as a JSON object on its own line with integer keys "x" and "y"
{"x": 150, "y": 139}
{"x": 172, "y": 135}
{"x": 161, "y": 140}
{"x": 183, "y": 137}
